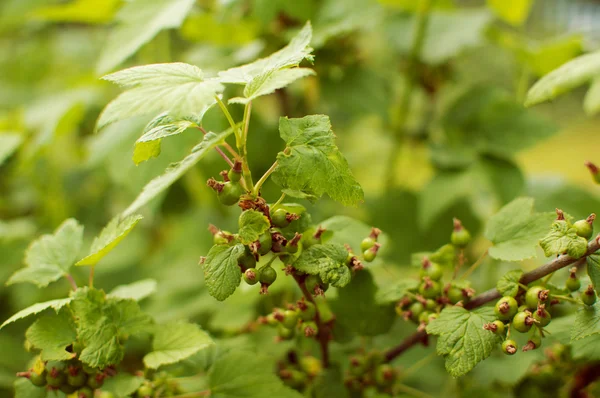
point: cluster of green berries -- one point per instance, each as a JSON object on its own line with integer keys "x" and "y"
{"x": 298, "y": 319}
{"x": 70, "y": 377}
{"x": 159, "y": 385}
{"x": 297, "y": 371}
{"x": 229, "y": 190}
{"x": 370, "y": 370}
{"x": 369, "y": 245}
{"x": 548, "y": 376}
{"x": 573, "y": 284}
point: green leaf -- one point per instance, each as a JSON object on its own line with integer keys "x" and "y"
{"x": 51, "y": 256}
{"x": 36, "y": 309}
{"x": 138, "y": 22}
{"x": 229, "y": 377}
{"x": 569, "y": 76}
{"x": 395, "y": 291}
{"x": 350, "y": 231}
{"x": 9, "y": 143}
{"x": 222, "y": 273}
{"x": 122, "y": 385}
{"x": 149, "y": 144}
{"x": 587, "y": 322}
{"x": 312, "y": 163}
{"x": 357, "y": 309}
{"x": 270, "y": 81}
{"x": 116, "y": 230}
{"x": 53, "y": 334}
{"x": 103, "y": 324}
{"x": 330, "y": 383}
{"x": 515, "y": 12}
{"x": 175, "y": 342}
{"x": 135, "y": 291}
{"x": 24, "y": 389}
{"x": 462, "y": 340}
{"x": 79, "y": 11}
{"x": 444, "y": 256}
{"x": 516, "y": 229}
{"x": 176, "y": 171}
{"x": 252, "y": 224}
{"x": 328, "y": 261}
{"x": 256, "y": 74}
{"x": 177, "y": 89}
{"x": 591, "y": 103}
{"x": 563, "y": 239}
{"x": 508, "y": 285}
{"x": 593, "y": 270}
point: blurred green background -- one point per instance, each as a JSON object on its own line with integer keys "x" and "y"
{"x": 465, "y": 147}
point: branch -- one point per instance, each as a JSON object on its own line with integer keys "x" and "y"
{"x": 493, "y": 294}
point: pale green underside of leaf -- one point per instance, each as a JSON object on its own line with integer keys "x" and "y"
{"x": 145, "y": 151}
{"x": 508, "y": 285}
{"x": 587, "y": 322}
{"x": 52, "y": 335}
{"x": 36, "y": 309}
{"x": 123, "y": 385}
{"x": 252, "y": 224}
{"x": 563, "y": 239}
{"x": 51, "y": 256}
{"x": 593, "y": 270}
{"x": 312, "y": 163}
{"x": 177, "y": 89}
{"x": 229, "y": 377}
{"x": 176, "y": 342}
{"x": 569, "y": 76}
{"x": 222, "y": 274}
{"x": 24, "y": 389}
{"x": 591, "y": 103}
{"x": 176, "y": 171}
{"x": 516, "y": 229}
{"x": 109, "y": 238}
{"x": 138, "y": 22}
{"x": 291, "y": 55}
{"x": 269, "y": 82}
{"x": 136, "y": 291}
{"x": 9, "y": 143}
{"x": 462, "y": 340}
{"x": 328, "y": 261}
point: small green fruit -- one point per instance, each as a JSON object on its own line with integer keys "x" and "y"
{"x": 290, "y": 319}
{"x": 455, "y": 295}
{"x": 280, "y": 218}
{"x": 309, "y": 329}
{"x": 430, "y": 289}
{"x": 542, "y": 316}
{"x": 68, "y": 389}
{"x": 415, "y": 310}
{"x": 55, "y": 378}
{"x": 267, "y": 275}
{"x": 509, "y": 347}
{"x": 145, "y": 391}
{"x": 36, "y": 379}
{"x": 522, "y": 322}
{"x": 573, "y": 283}
{"x": 433, "y": 270}
{"x": 584, "y": 228}
{"x": 314, "y": 284}
{"x": 506, "y": 308}
{"x": 589, "y": 296}
{"x": 76, "y": 377}
{"x": 266, "y": 242}
{"x": 367, "y": 243}
{"x": 234, "y": 175}
{"x": 230, "y": 194}
{"x": 460, "y": 237}
{"x": 536, "y": 295}
{"x": 431, "y": 305}
{"x": 95, "y": 381}
{"x": 251, "y": 276}
{"x": 285, "y": 333}
{"x": 247, "y": 260}
{"x": 384, "y": 375}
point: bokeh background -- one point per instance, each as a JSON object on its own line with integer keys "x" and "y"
{"x": 465, "y": 146}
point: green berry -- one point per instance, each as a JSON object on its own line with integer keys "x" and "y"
{"x": 431, "y": 305}
{"x": 145, "y": 391}
{"x": 509, "y": 347}
{"x": 497, "y": 327}
{"x": 367, "y": 243}
{"x": 433, "y": 270}
{"x": 58, "y": 365}
{"x": 221, "y": 238}
{"x": 285, "y": 333}
{"x": 307, "y": 311}
{"x": 55, "y": 378}
{"x": 85, "y": 392}
{"x": 267, "y": 275}
{"x": 535, "y": 341}
{"x": 522, "y": 322}
{"x": 234, "y": 176}
{"x": 251, "y": 276}
{"x": 424, "y": 317}
{"x": 460, "y": 238}
{"x": 106, "y": 394}
{"x": 589, "y": 296}
{"x": 95, "y": 380}
{"x": 384, "y": 375}
{"x": 266, "y": 242}
{"x": 310, "y": 329}
{"x": 280, "y": 218}
{"x": 38, "y": 380}
{"x": 68, "y": 389}
{"x": 247, "y": 260}
{"x": 415, "y": 310}
{"x": 290, "y": 319}
{"x": 430, "y": 289}
{"x": 230, "y": 194}
{"x": 76, "y": 377}
{"x": 455, "y": 295}
{"x": 314, "y": 284}
{"x": 536, "y": 295}
{"x": 584, "y": 228}
{"x": 573, "y": 283}
{"x": 506, "y": 308}
{"x": 542, "y": 316}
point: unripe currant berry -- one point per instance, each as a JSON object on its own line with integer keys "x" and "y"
{"x": 588, "y": 297}
{"x": 76, "y": 377}
{"x": 293, "y": 378}
{"x": 523, "y": 321}
{"x": 430, "y": 289}
{"x": 496, "y": 327}
{"x": 431, "y": 269}
{"x": 230, "y": 194}
{"x": 145, "y": 391}
{"x": 38, "y": 380}
{"x": 279, "y": 218}
{"x": 455, "y": 295}
{"x": 265, "y": 242}
{"x": 314, "y": 285}
{"x": 95, "y": 380}
{"x": 247, "y": 260}
{"x": 509, "y": 347}
{"x": 384, "y": 375}
{"x": 307, "y": 309}
{"x": 535, "y": 295}
{"x": 542, "y": 316}
{"x": 367, "y": 243}
{"x": 506, "y": 308}
{"x": 535, "y": 341}
{"x": 415, "y": 311}
{"x": 309, "y": 329}
{"x": 267, "y": 275}
{"x": 431, "y": 305}
{"x": 290, "y": 319}
{"x": 220, "y": 237}
{"x": 285, "y": 333}
{"x": 251, "y": 276}
{"x": 67, "y": 389}
{"x": 292, "y": 245}
{"x": 55, "y": 378}
{"x": 235, "y": 173}
{"x": 585, "y": 228}
{"x": 424, "y": 317}
{"x": 573, "y": 283}
{"x": 460, "y": 237}
{"x": 85, "y": 392}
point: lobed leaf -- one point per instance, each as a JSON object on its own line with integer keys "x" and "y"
{"x": 328, "y": 261}
{"x": 36, "y": 309}
{"x": 563, "y": 239}
{"x": 51, "y": 256}
{"x": 462, "y": 340}
{"x": 53, "y": 334}
{"x": 252, "y": 224}
{"x": 312, "y": 163}
{"x": 116, "y": 230}
{"x": 587, "y": 322}
{"x": 135, "y": 291}
{"x": 270, "y": 81}
{"x": 222, "y": 273}
{"x": 508, "y": 285}
{"x": 175, "y": 342}
{"x": 123, "y": 385}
